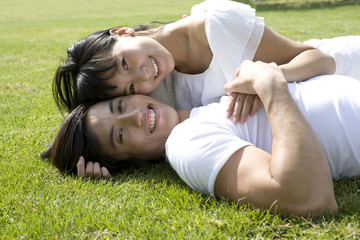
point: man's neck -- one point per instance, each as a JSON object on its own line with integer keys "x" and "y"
{"x": 183, "y": 115}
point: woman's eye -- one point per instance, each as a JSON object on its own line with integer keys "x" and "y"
{"x": 125, "y": 66}
{"x": 120, "y": 135}
{"x": 120, "y": 106}
{"x": 132, "y": 89}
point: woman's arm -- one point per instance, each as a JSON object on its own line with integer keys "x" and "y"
{"x": 297, "y": 61}
{"x": 296, "y": 177}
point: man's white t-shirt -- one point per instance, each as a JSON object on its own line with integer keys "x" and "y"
{"x": 199, "y": 147}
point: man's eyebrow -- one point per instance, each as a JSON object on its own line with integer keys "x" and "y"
{"x": 111, "y": 106}
{"x": 111, "y": 136}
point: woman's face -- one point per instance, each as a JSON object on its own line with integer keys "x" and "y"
{"x": 134, "y": 126}
{"x": 142, "y": 64}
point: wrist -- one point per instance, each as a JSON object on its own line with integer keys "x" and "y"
{"x": 275, "y": 83}
{"x": 275, "y": 95}
{"x": 285, "y": 72}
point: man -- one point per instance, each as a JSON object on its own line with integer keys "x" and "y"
{"x": 275, "y": 159}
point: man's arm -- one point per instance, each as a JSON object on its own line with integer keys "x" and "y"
{"x": 296, "y": 177}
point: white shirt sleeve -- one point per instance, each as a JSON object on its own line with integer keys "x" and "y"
{"x": 199, "y": 147}
{"x": 346, "y": 52}
{"x": 234, "y": 33}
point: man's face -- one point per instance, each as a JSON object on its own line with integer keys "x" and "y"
{"x": 134, "y": 126}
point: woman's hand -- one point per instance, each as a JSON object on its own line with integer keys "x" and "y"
{"x": 241, "y": 105}
{"x": 91, "y": 170}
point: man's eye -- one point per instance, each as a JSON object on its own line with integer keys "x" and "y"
{"x": 120, "y": 106}
{"x": 125, "y": 66}
{"x": 132, "y": 89}
{"x": 121, "y": 135}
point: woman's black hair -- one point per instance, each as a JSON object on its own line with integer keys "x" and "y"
{"x": 80, "y": 78}
{"x": 75, "y": 139}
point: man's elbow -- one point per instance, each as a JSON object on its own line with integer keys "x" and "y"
{"x": 317, "y": 206}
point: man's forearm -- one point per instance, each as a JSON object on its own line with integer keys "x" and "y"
{"x": 296, "y": 175}
{"x": 298, "y": 163}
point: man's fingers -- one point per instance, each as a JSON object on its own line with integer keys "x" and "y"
{"x": 242, "y": 66}
{"x": 97, "y": 170}
{"x": 89, "y": 169}
{"x": 105, "y": 173}
{"x": 80, "y": 166}
{"x": 237, "y": 72}
{"x": 228, "y": 87}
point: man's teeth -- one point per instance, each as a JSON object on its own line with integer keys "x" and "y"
{"x": 152, "y": 120}
{"x": 155, "y": 66}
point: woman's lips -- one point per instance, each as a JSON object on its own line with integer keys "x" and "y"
{"x": 156, "y": 67}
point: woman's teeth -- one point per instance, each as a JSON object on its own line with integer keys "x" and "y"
{"x": 156, "y": 69}
{"x": 152, "y": 120}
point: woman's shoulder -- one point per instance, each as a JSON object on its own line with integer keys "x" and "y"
{"x": 220, "y": 5}
{"x": 199, "y": 54}
{"x": 197, "y": 29}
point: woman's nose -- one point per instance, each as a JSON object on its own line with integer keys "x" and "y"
{"x": 145, "y": 87}
{"x": 133, "y": 118}
{"x": 141, "y": 74}
{"x": 142, "y": 81}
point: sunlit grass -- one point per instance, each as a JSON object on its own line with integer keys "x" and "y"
{"x": 36, "y": 201}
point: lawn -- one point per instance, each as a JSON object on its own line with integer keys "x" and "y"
{"x": 36, "y": 201}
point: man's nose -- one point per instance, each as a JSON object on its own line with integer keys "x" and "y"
{"x": 132, "y": 118}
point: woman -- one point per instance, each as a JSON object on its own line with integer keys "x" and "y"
{"x": 185, "y": 63}
{"x": 277, "y": 155}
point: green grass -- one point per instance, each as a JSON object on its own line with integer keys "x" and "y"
{"x": 36, "y": 201}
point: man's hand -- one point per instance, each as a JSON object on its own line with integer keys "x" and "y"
{"x": 251, "y": 78}
{"x": 255, "y": 78}
{"x": 92, "y": 169}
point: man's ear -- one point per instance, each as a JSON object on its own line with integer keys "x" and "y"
{"x": 123, "y": 31}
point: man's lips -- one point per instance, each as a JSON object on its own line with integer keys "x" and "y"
{"x": 153, "y": 117}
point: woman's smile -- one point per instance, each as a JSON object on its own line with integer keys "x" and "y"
{"x": 155, "y": 65}
{"x": 142, "y": 65}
